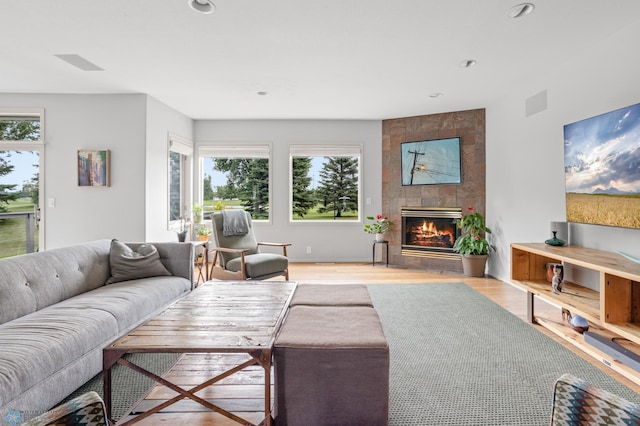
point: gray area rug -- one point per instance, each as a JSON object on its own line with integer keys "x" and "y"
{"x": 458, "y": 358}
{"x": 128, "y": 386}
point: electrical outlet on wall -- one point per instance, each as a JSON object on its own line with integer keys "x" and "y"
{"x": 308, "y": 249}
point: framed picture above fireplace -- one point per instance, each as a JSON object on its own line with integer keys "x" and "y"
{"x": 431, "y": 162}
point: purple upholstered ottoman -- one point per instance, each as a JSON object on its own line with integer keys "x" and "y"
{"x": 331, "y": 295}
{"x": 331, "y": 367}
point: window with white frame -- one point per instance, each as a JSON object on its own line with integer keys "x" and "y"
{"x": 21, "y": 157}
{"x": 180, "y": 171}
{"x": 236, "y": 176}
{"x": 325, "y": 182}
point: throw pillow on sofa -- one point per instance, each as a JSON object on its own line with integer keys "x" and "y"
{"x": 127, "y": 264}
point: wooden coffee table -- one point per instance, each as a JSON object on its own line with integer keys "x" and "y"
{"x": 217, "y": 317}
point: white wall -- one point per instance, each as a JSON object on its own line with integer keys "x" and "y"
{"x": 525, "y": 176}
{"x": 134, "y": 127}
{"x": 73, "y": 122}
{"x": 329, "y": 242}
{"x": 525, "y": 181}
{"x": 161, "y": 120}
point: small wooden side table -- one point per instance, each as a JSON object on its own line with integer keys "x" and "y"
{"x": 386, "y": 245}
{"x": 201, "y": 263}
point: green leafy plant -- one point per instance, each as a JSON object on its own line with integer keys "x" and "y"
{"x": 381, "y": 225}
{"x": 204, "y": 230}
{"x": 472, "y": 241}
{"x": 197, "y": 213}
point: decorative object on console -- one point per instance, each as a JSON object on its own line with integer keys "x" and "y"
{"x": 556, "y": 281}
{"x": 550, "y": 267}
{"x": 381, "y": 225}
{"x": 472, "y": 246}
{"x": 555, "y": 241}
{"x": 561, "y": 229}
{"x": 579, "y": 324}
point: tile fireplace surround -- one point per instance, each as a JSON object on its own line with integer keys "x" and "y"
{"x": 470, "y": 126}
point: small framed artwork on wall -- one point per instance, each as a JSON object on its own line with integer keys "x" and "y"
{"x": 432, "y": 162}
{"x": 94, "y": 167}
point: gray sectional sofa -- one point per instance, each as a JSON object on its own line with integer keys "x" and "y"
{"x": 57, "y": 313}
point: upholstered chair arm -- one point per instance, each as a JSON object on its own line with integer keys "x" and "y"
{"x": 229, "y": 250}
{"x": 216, "y": 250}
{"x": 283, "y": 245}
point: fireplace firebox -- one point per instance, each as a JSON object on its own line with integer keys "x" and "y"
{"x": 430, "y": 231}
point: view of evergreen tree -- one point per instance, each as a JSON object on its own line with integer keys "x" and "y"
{"x": 207, "y": 189}
{"x": 338, "y": 188}
{"x": 14, "y": 130}
{"x": 303, "y": 197}
{"x": 174, "y": 186}
{"x": 5, "y": 190}
{"x": 31, "y": 189}
{"x": 226, "y": 192}
{"x": 250, "y": 178}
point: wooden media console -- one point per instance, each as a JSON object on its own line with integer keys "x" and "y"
{"x": 613, "y": 311}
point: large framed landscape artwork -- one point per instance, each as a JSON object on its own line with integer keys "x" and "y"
{"x": 602, "y": 169}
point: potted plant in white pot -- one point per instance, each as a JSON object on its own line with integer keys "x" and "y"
{"x": 472, "y": 246}
{"x": 379, "y": 227}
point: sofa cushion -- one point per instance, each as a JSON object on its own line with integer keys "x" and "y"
{"x": 130, "y": 301}
{"x": 258, "y": 265}
{"x": 36, "y": 346}
{"x": 17, "y": 298}
{"x": 128, "y": 264}
{"x": 53, "y": 275}
{"x": 60, "y": 334}
{"x": 331, "y": 295}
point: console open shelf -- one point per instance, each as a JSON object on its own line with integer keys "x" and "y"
{"x": 613, "y": 311}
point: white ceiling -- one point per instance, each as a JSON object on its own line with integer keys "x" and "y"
{"x": 323, "y": 59}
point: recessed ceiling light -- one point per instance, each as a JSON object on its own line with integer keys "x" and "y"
{"x": 520, "y": 10}
{"x": 203, "y": 6}
{"x": 468, "y": 63}
{"x": 435, "y": 94}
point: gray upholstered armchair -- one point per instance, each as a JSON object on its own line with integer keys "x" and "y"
{"x": 237, "y": 255}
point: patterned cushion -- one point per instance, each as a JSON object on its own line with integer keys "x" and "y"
{"x": 576, "y": 402}
{"x": 85, "y": 410}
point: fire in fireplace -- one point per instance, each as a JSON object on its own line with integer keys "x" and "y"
{"x": 429, "y": 229}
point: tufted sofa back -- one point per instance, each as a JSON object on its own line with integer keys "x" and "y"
{"x": 34, "y": 281}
